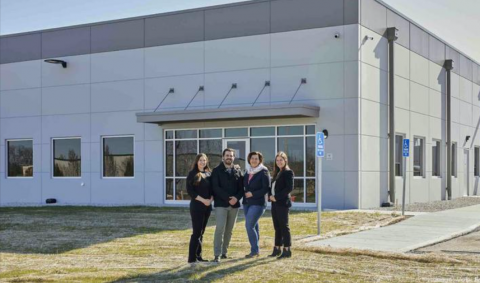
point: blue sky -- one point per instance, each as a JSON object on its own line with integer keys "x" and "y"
{"x": 455, "y": 21}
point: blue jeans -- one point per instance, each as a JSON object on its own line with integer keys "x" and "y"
{"x": 252, "y": 215}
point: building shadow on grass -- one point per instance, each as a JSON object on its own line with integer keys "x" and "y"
{"x": 205, "y": 272}
{"x": 60, "y": 229}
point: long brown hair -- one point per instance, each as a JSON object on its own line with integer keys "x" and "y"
{"x": 277, "y": 170}
{"x": 198, "y": 177}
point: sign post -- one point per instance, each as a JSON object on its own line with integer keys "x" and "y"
{"x": 320, "y": 153}
{"x": 406, "y": 153}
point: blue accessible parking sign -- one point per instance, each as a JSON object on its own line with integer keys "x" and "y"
{"x": 320, "y": 144}
{"x": 406, "y": 148}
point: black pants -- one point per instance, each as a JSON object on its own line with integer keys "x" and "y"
{"x": 280, "y": 223}
{"x": 199, "y": 222}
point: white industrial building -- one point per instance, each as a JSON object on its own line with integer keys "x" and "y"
{"x": 120, "y": 122}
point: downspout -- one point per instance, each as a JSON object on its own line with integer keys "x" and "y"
{"x": 448, "y": 65}
{"x": 392, "y": 36}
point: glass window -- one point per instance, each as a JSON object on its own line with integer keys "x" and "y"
{"x": 418, "y": 153}
{"x": 454, "y": 159}
{"x": 213, "y": 149}
{"x": 211, "y": 133}
{"x": 181, "y": 189}
{"x": 310, "y": 130}
{"x": 436, "y": 149}
{"x": 169, "y": 135}
{"x": 169, "y": 159}
{"x": 398, "y": 155}
{"x": 169, "y": 189}
{"x": 262, "y": 131}
{"x": 185, "y": 153}
{"x": 298, "y": 191}
{"x": 311, "y": 198}
{"x": 475, "y": 165}
{"x": 310, "y": 155}
{"x": 67, "y": 158}
{"x": 236, "y": 132}
{"x": 293, "y": 147}
{"x": 290, "y": 130}
{"x": 186, "y": 134}
{"x": 20, "y": 158}
{"x": 267, "y": 147}
{"x": 118, "y": 157}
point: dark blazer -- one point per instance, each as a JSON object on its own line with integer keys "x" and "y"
{"x": 226, "y": 185}
{"x": 258, "y": 186}
{"x": 283, "y": 188}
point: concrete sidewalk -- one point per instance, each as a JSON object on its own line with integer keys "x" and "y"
{"x": 413, "y": 233}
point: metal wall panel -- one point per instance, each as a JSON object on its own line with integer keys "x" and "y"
{"x": 174, "y": 29}
{"x": 465, "y": 67}
{"x": 21, "y": 48}
{"x": 288, "y": 15}
{"x": 418, "y": 40}
{"x": 436, "y": 50}
{"x": 118, "y": 36}
{"x": 476, "y": 73}
{"x": 67, "y": 42}
{"x": 455, "y": 56}
{"x": 235, "y": 21}
{"x": 403, "y": 26}
{"x": 351, "y": 12}
{"x": 374, "y": 16}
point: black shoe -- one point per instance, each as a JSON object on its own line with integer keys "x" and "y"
{"x": 252, "y": 255}
{"x": 285, "y": 254}
{"x": 224, "y": 256}
{"x": 200, "y": 259}
{"x": 217, "y": 259}
{"x": 276, "y": 252}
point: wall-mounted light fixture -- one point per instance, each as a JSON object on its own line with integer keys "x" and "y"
{"x": 325, "y": 133}
{"x": 56, "y": 61}
{"x": 467, "y": 138}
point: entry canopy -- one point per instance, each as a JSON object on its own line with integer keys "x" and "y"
{"x": 233, "y": 113}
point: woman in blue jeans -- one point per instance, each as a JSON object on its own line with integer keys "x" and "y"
{"x": 257, "y": 185}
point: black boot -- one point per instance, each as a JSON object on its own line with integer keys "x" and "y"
{"x": 276, "y": 252}
{"x": 286, "y": 254}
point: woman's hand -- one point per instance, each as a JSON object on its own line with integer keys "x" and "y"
{"x": 248, "y": 195}
{"x": 272, "y": 199}
{"x": 206, "y": 202}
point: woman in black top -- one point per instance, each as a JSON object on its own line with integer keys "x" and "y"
{"x": 200, "y": 191}
{"x": 282, "y": 186}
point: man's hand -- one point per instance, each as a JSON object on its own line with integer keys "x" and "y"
{"x": 248, "y": 195}
{"x": 272, "y": 199}
{"x": 233, "y": 200}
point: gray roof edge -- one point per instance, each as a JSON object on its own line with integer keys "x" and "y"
{"x": 426, "y": 30}
{"x": 143, "y": 17}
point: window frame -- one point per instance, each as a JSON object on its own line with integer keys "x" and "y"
{"x": 438, "y": 144}
{"x": 7, "y": 157}
{"x": 454, "y": 160}
{"x": 476, "y": 161}
{"x": 102, "y": 156}
{"x": 423, "y": 159}
{"x": 250, "y": 137}
{"x": 52, "y": 164}
{"x": 401, "y": 154}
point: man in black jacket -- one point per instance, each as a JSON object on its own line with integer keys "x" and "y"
{"x": 227, "y": 183}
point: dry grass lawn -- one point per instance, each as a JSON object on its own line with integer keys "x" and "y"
{"x": 144, "y": 244}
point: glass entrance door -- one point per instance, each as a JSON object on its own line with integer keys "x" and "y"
{"x": 242, "y": 148}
